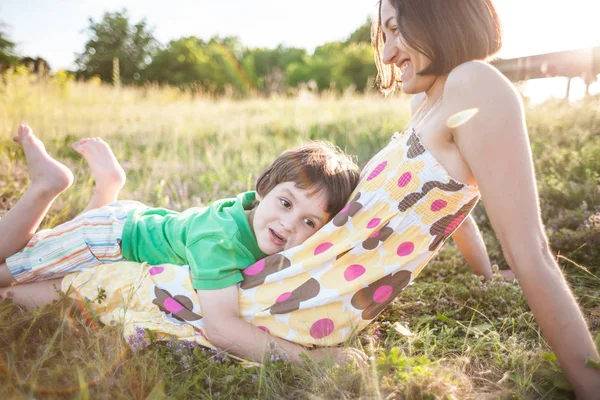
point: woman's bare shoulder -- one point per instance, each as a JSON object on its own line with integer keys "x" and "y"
{"x": 475, "y": 70}
{"x": 476, "y": 83}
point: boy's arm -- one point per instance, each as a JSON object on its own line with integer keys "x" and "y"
{"x": 226, "y": 330}
{"x": 470, "y": 243}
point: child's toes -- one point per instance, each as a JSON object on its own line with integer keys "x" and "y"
{"x": 78, "y": 146}
{"x": 22, "y": 129}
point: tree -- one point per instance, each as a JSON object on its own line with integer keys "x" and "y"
{"x": 335, "y": 64}
{"x": 7, "y": 50}
{"x": 355, "y": 66}
{"x": 115, "y": 37}
{"x": 211, "y": 66}
{"x": 36, "y": 65}
{"x": 362, "y": 34}
{"x": 267, "y": 67}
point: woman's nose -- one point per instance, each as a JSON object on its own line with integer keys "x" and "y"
{"x": 390, "y": 51}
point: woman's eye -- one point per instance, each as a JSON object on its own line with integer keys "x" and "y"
{"x": 285, "y": 203}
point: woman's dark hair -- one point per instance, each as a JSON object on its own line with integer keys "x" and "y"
{"x": 448, "y": 32}
{"x": 317, "y": 166}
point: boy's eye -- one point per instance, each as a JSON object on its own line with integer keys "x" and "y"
{"x": 309, "y": 222}
{"x": 285, "y": 203}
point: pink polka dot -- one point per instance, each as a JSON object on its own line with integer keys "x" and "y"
{"x": 454, "y": 224}
{"x": 172, "y": 305}
{"x": 283, "y": 297}
{"x": 353, "y": 272}
{"x": 201, "y": 332}
{"x": 378, "y": 169}
{"x": 404, "y": 179}
{"x": 373, "y": 223}
{"x": 323, "y": 247}
{"x": 382, "y": 293}
{"x": 375, "y": 234}
{"x": 264, "y": 328}
{"x": 322, "y": 328}
{"x": 405, "y": 249}
{"x": 156, "y": 270}
{"x": 346, "y": 208}
{"x": 438, "y": 205}
{"x": 255, "y": 268}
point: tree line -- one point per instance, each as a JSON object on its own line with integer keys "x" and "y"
{"x": 118, "y": 49}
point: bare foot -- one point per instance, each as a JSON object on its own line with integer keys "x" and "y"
{"x": 108, "y": 173}
{"x": 47, "y": 175}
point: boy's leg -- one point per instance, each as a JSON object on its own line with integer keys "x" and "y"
{"x": 48, "y": 178}
{"x": 33, "y": 294}
{"x": 86, "y": 241}
{"x": 108, "y": 173}
{"x": 6, "y": 278}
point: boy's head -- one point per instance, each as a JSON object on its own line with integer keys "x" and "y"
{"x": 300, "y": 192}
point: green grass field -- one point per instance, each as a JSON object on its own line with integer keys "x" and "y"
{"x": 467, "y": 339}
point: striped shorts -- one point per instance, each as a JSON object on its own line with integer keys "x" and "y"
{"x": 90, "y": 239}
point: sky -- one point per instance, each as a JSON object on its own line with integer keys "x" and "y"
{"x": 56, "y": 29}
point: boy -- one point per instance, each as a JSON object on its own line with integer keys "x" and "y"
{"x": 298, "y": 194}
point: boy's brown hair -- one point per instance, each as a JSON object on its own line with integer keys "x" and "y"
{"x": 318, "y": 166}
{"x": 449, "y": 33}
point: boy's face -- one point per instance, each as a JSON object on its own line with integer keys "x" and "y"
{"x": 287, "y": 216}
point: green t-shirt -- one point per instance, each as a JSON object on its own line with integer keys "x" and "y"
{"x": 215, "y": 241}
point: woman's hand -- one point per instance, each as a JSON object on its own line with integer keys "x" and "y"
{"x": 508, "y": 275}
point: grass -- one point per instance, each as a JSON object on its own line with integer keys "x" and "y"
{"x": 447, "y": 336}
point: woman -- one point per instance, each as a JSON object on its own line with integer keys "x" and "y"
{"x": 434, "y": 46}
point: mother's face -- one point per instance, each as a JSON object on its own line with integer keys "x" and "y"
{"x": 396, "y": 51}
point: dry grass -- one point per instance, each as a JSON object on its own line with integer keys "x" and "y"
{"x": 469, "y": 339}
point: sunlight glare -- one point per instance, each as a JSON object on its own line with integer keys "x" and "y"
{"x": 461, "y": 117}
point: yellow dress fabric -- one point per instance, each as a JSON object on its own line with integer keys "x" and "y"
{"x": 403, "y": 210}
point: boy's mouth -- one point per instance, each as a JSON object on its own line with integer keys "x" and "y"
{"x": 277, "y": 238}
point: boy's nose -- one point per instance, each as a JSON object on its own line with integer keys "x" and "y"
{"x": 288, "y": 225}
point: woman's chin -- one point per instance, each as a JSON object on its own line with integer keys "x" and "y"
{"x": 408, "y": 90}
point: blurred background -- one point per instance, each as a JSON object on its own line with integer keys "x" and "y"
{"x": 265, "y": 47}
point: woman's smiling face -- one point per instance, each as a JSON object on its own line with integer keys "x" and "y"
{"x": 397, "y": 52}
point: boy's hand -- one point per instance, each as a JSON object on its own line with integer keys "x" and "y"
{"x": 340, "y": 355}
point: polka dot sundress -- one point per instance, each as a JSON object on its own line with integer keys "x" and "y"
{"x": 403, "y": 210}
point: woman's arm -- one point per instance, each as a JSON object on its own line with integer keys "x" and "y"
{"x": 226, "y": 330}
{"x": 495, "y": 145}
{"x": 471, "y": 245}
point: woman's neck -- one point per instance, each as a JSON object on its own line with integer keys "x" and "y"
{"x": 434, "y": 93}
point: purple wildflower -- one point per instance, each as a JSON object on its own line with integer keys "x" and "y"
{"x": 377, "y": 334}
{"x": 138, "y": 340}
